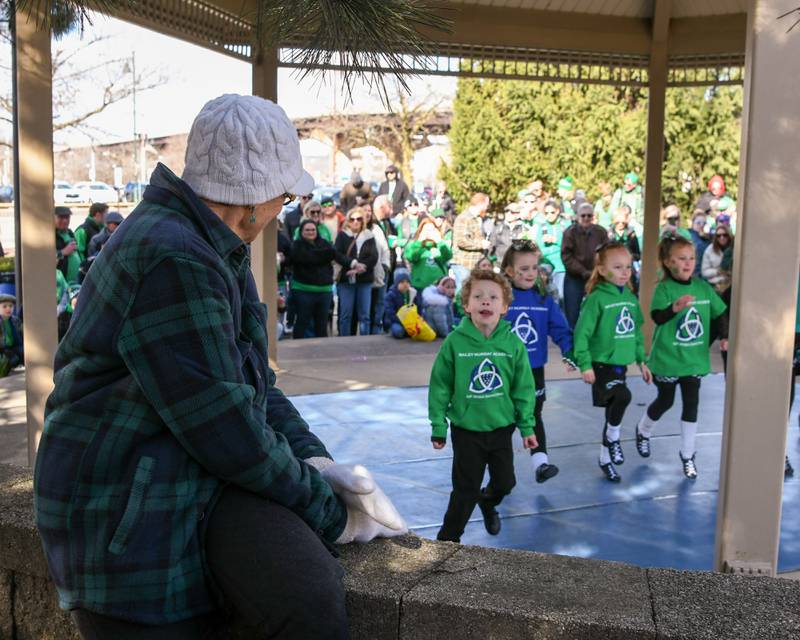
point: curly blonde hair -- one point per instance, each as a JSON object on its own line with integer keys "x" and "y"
{"x": 477, "y": 275}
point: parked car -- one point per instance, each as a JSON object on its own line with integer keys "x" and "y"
{"x": 96, "y": 192}
{"x": 133, "y": 191}
{"x": 65, "y": 194}
{"x": 6, "y": 193}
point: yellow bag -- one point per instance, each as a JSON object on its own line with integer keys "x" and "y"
{"x": 414, "y": 324}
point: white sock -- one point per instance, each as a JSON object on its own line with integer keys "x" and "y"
{"x": 646, "y": 425}
{"x": 539, "y": 459}
{"x": 604, "y": 457}
{"x": 688, "y": 434}
{"x": 612, "y": 433}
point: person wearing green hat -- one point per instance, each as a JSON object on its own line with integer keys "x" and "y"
{"x": 11, "y": 354}
{"x": 569, "y": 199}
{"x": 630, "y": 193}
{"x": 67, "y": 254}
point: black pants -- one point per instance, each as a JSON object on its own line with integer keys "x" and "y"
{"x": 690, "y": 394}
{"x": 610, "y": 390}
{"x": 277, "y": 579}
{"x": 311, "y": 310}
{"x": 472, "y": 452}
{"x": 538, "y": 429}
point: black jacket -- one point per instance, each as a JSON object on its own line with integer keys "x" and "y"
{"x": 312, "y": 263}
{"x": 400, "y": 195}
{"x": 285, "y": 247}
{"x": 292, "y": 220}
{"x": 346, "y": 245}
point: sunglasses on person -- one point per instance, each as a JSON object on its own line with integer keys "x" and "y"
{"x": 586, "y": 215}
{"x": 314, "y": 212}
{"x": 326, "y": 203}
{"x": 357, "y": 219}
{"x": 722, "y": 235}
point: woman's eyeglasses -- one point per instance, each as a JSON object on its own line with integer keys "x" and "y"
{"x": 356, "y": 219}
{"x": 722, "y": 235}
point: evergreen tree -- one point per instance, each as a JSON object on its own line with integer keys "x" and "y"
{"x": 506, "y": 133}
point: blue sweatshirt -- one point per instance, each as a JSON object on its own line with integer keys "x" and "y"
{"x": 533, "y": 317}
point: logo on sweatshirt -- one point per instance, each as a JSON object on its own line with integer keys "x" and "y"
{"x": 690, "y": 327}
{"x": 625, "y": 323}
{"x": 485, "y": 378}
{"x": 524, "y": 329}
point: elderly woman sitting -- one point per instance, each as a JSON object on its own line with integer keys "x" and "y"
{"x": 174, "y": 480}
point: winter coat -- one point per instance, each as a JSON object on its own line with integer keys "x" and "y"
{"x": 68, "y": 265}
{"x": 163, "y": 396}
{"x": 392, "y": 303}
{"x": 578, "y": 248}
{"x": 701, "y": 243}
{"x": 349, "y": 193}
{"x": 500, "y": 239}
{"x": 362, "y": 248}
{"x": 84, "y": 234}
{"x": 437, "y": 310}
{"x": 384, "y": 264}
{"x": 312, "y": 265}
{"x": 399, "y": 196}
{"x": 98, "y": 242}
{"x": 467, "y": 240}
{"x": 710, "y": 268}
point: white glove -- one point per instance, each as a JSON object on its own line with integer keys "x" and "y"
{"x": 355, "y": 485}
{"x": 362, "y": 528}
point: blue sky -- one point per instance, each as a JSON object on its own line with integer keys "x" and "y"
{"x": 196, "y": 75}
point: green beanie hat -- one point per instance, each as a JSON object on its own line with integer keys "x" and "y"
{"x": 567, "y": 183}
{"x": 633, "y": 177}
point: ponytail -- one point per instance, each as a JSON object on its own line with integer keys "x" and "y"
{"x": 665, "y": 248}
{"x": 599, "y": 260}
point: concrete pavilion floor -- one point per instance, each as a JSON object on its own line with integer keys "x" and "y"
{"x": 366, "y": 398}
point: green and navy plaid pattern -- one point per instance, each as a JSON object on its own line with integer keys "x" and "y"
{"x": 163, "y": 395}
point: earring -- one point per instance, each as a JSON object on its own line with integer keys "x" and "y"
{"x": 252, "y": 217}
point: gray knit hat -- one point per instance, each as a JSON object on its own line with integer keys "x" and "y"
{"x": 244, "y": 150}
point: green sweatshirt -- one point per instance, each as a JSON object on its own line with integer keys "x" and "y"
{"x": 552, "y": 252}
{"x": 680, "y": 345}
{"x": 480, "y": 383}
{"x": 609, "y": 328}
{"x": 428, "y": 262}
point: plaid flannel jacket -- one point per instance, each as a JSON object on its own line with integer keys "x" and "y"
{"x": 163, "y": 395}
{"x": 467, "y": 240}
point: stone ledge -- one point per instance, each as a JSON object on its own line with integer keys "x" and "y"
{"x": 413, "y": 588}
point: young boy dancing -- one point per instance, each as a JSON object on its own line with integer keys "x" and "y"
{"x": 481, "y": 382}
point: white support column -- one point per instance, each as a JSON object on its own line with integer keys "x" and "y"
{"x": 764, "y": 297}
{"x": 35, "y": 200}
{"x": 265, "y": 248}
{"x": 654, "y": 158}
